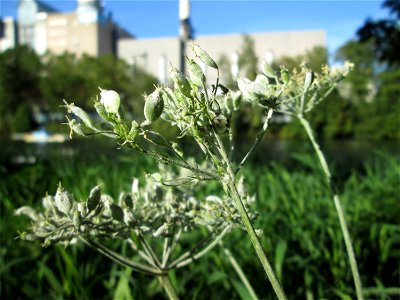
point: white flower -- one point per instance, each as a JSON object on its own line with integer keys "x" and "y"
{"x": 110, "y": 100}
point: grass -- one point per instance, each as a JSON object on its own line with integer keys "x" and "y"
{"x": 296, "y": 215}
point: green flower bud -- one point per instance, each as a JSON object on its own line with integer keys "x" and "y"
{"x": 128, "y": 201}
{"x": 117, "y": 212}
{"x": 133, "y": 132}
{"x": 285, "y": 76}
{"x": 75, "y": 127}
{"x": 81, "y": 114}
{"x": 195, "y": 73}
{"x": 267, "y": 69}
{"x": 62, "y": 200}
{"x": 237, "y": 100}
{"x": 110, "y": 100}
{"x": 308, "y": 80}
{"x": 204, "y": 57}
{"x": 94, "y": 198}
{"x": 181, "y": 83}
{"x": 153, "y": 106}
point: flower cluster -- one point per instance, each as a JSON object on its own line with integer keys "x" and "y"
{"x": 155, "y": 209}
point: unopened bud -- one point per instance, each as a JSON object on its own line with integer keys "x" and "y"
{"x": 110, "y": 100}
{"x": 204, "y": 57}
{"x": 181, "y": 83}
{"x": 94, "y": 198}
{"x": 153, "y": 106}
{"x": 267, "y": 69}
{"x": 308, "y": 80}
{"x": 195, "y": 73}
{"x": 285, "y": 75}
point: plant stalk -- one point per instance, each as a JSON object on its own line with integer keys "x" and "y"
{"x": 257, "y": 141}
{"x": 338, "y": 206}
{"x": 168, "y": 287}
{"x": 230, "y": 182}
{"x": 239, "y": 272}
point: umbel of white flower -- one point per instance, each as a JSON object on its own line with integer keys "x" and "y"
{"x": 110, "y": 100}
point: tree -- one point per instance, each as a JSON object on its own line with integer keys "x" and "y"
{"x": 247, "y": 58}
{"x": 384, "y": 34}
{"x": 315, "y": 57}
{"x": 20, "y": 70}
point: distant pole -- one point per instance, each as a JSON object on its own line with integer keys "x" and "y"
{"x": 185, "y": 32}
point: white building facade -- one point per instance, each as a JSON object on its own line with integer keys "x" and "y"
{"x": 157, "y": 55}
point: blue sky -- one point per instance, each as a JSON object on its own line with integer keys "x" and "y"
{"x": 145, "y": 19}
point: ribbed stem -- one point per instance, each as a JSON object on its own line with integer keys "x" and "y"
{"x": 168, "y": 287}
{"x": 247, "y": 223}
{"x": 338, "y": 206}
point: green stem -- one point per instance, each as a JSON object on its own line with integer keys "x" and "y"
{"x": 185, "y": 262}
{"x": 254, "y": 239}
{"x": 338, "y": 206}
{"x": 257, "y": 141}
{"x": 239, "y": 271}
{"x": 230, "y": 182}
{"x": 168, "y": 287}
{"x": 120, "y": 259}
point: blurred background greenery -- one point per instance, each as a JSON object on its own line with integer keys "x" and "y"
{"x": 301, "y": 230}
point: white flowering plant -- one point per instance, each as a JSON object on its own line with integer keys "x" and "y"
{"x": 205, "y": 112}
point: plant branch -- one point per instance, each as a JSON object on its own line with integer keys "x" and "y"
{"x": 120, "y": 259}
{"x": 168, "y": 287}
{"x": 204, "y": 251}
{"x": 338, "y": 206}
{"x": 257, "y": 141}
{"x": 230, "y": 182}
{"x": 239, "y": 271}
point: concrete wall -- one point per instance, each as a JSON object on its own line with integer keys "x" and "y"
{"x": 147, "y": 53}
{"x": 65, "y": 33}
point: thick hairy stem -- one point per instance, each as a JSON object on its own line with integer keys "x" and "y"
{"x": 338, "y": 206}
{"x": 257, "y": 141}
{"x": 168, "y": 287}
{"x": 230, "y": 182}
{"x": 239, "y": 272}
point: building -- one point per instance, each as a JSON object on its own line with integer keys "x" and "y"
{"x": 8, "y": 34}
{"x": 85, "y": 30}
{"x": 156, "y": 55}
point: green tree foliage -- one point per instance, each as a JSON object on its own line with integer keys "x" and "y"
{"x": 248, "y": 59}
{"x": 20, "y": 70}
{"x": 315, "y": 57}
{"x": 384, "y": 34}
{"x": 29, "y": 82}
{"x": 374, "y": 85}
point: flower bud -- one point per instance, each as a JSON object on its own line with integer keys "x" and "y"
{"x": 308, "y": 80}
{"x": 117, "y": 213}
{"x": 204, "y": 57}
{"x": 94, "y": 198}
{"x": 181, "y": 83}
{"x": 195, "y": 73}
{"x": 153, "y": 106}
{"x": 110, "y": 100}
{"x": 237, "y": 100}
{"x": 81, "y": 114}
{"x": 267, "y": 69}
{"x": 285, "y": 75}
